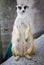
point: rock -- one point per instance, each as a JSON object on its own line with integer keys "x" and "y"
{"x": 37, "y": 59}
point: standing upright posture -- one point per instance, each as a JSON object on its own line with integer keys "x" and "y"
{"x": 22, "y": 38}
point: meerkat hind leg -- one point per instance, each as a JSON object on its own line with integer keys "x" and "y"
{"x": 15, "y": 54}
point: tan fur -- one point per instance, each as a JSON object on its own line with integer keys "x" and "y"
{"x": 22, "y": 38}
{"x": 30, "y": 51}
{"x": 27, "y": 53}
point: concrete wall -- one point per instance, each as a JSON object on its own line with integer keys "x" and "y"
{"x": 1, "y": 56}
{"x": 38, "y": 20}
{"x": 7, "y": 18}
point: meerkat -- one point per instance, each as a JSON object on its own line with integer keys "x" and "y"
{"x": 22, "y": 38}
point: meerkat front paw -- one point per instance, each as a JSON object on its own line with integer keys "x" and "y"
{"x": 16, "y": 57}
{"x": 28, "y": 56}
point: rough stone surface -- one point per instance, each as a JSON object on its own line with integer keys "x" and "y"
{"x": 37, "y": 59}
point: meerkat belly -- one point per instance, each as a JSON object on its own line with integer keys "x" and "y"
{"x": 23, "y": 46}
{"x": 19, "y": 48}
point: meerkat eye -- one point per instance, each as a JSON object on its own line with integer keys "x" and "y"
{"x": 20, "y": 7}
{"x": 25, "y": 7}
{"x": 26, "y": 39}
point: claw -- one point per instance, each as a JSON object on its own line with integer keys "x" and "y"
{"x": 28, "y": 57}
{"x": 16, "y": 57}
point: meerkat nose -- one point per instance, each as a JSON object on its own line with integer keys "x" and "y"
{"x": 23, "y": 11}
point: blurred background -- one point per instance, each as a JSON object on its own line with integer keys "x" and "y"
{"x": 8, "y": 15}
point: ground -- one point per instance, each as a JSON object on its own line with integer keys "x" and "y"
{"x": 37, "y": 59}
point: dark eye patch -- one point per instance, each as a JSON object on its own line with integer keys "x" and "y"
{"x": 25, "y": 7}
{"x": 20, "y": 7}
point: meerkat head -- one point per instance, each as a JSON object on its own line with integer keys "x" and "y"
{"x": 22, "y": 9}
{"x": 23, "y": 6}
